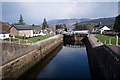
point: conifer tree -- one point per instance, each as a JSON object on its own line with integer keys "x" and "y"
{"x": 21, "y": 21}
{"x": 117, "y": 24}
{"x": 44, "y": 25}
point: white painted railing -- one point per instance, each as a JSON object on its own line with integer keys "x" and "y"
{"x": 110, "y": 41}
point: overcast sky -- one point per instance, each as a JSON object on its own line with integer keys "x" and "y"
{"x": 34, "y": 12}
{"x": 60, "y": 0}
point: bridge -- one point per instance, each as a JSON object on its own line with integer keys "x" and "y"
{"x": 75, "y": 35}
{"x": 77, "y": 32}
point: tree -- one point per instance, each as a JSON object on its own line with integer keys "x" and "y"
{"x": 65, "y": 27}
{"x": 84, "y": 26}
{"x": 21, "y": 21}
{"x": 44, "y": 25}
{"x": 61, "y": 26}
{"x": 77, "y": 26}
{"x": 33, "y": 25}
{"x": 117, "y": 24}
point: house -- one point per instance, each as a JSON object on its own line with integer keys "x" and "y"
{"x": 95, "y": 30}
{"x": 40, "y": 33}
{"x": 104, "y": 28}
{"x": 4, "y": 30}
{"x": 52, "y": 28}
{"x": 36, "y": 30}
{"x": 21, "y": 30}
{"x": 4, "y": 34}
{"x": 50, "y": 31}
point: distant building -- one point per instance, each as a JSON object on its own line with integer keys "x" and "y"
{"x": 104, "y": 28}
{"x": 53, "y": 28}
{"x": 21, "y": 30}
{"x": 4, "y": 34}
{"x": 40, "y": 33}
{"x": 49, "y": 31}
{"x": 4, "y": 30}
{"x": 95, "y": 30}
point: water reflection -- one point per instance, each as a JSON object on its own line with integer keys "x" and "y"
{"x": 74, "y": 44}
{"x": 63, "y": 63}
{"x": 68, "y": 63}
{"x": 34, "y": 71}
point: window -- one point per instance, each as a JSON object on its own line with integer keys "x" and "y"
{"x": 3, "y": 35}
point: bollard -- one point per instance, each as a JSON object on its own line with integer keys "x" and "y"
{"x": 116, "y": 40}
{"x": 109, "y": 41}
{"x": 19, "y": 41}
{"x": 105, "y": 41}
{"x": 10, "y": 39}
{"x": 26, "y": 42}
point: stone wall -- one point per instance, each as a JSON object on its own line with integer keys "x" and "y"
{"x": 17, "y": 67}
{"x": 102, "y": 60}
{"x": 12, "y": 51}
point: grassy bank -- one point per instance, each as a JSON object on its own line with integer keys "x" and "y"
{"x": 28, "y": 40}
{"x": 38, "y": 38}
{"x": 104, "y": 38}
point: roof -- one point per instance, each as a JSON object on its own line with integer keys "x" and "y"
{"x": 5, "y": 27}
{"x": 23, "y": 27}
{"x": 3, "y": 32}
{"x": 105, "y": 28}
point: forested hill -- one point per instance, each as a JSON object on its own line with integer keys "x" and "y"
{"x": 104, "y": 21}
{"x": 67, "y": 21}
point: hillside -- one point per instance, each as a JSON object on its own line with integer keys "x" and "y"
{"x": 104, "y": 21}
{"x": 67, "y": 21}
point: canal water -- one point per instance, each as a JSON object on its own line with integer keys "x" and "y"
{"x": 66, "y": 61}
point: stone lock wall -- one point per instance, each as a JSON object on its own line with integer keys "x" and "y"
{"x": 17, "y": 67}
{"x": 104, "y": 63}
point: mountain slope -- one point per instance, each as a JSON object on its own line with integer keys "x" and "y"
{"x": 104, "y": 21}
{"x": 67, "y": 21}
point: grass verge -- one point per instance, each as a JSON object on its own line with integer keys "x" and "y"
{"x": 104, "y": 38}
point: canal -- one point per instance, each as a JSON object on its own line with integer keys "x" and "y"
{"x": 66, "y": 61}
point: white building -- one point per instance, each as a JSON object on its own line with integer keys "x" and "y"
{"x": 105, "y": 28}
{"x": 39, "y": 33}
{"x": 4, "y": 34}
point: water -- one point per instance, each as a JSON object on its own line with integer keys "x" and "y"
{"x": 68, "y": 61}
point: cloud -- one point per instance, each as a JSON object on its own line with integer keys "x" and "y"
{"x": 50, "y": 10}
{"x": 84, "y": 9}
{"x": 60, "y": 0}
{"x": 119, "y": 8}
{"x": 0, "y": 11}
{"x": 34, "y": 12}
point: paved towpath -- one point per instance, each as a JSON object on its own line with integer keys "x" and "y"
{"x": 115, "y": 48}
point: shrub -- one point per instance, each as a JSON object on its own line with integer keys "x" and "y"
{"x": 20, "y": 37}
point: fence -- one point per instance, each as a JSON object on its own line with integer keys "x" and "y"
{"x": 109, "y": 41}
